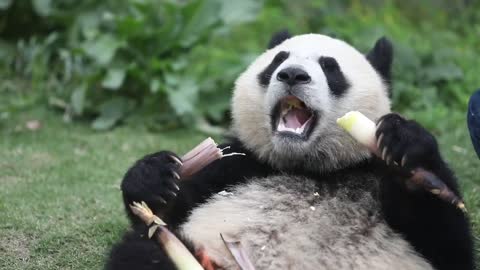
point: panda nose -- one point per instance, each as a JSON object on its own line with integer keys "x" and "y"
{"x": 293, "y": 76}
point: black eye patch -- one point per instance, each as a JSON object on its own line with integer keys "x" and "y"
{"x": 265, "y": 76}
{"x": 337, "y": 82}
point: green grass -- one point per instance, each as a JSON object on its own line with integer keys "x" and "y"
{"x": 60, "y": 203}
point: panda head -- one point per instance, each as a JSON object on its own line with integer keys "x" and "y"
{"x": 286, "y": 103}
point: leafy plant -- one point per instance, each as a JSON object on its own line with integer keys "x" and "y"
{"x": 172, "y": 63}
{"x": 106, "y": 58}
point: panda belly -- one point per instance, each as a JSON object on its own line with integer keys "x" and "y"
{"x": 287, "y": 222}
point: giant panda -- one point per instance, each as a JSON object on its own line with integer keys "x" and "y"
{"x": 305, "y": 195}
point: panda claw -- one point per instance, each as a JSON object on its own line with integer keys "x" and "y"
{"x": 176, "y": 160}
{"x": 379, "y": 123}
{"x": 379, "y": 141}
{"x": 384, "y": 152}
{"x": 173, "y": 194}
{"x": 176, "y": 175}
{"x": 388, "y": 160}
{"x": 174, "y": 185}
{"x": 404, "y": 161}
{"x": 159, "y": 199}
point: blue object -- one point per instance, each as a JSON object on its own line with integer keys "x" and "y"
{"x": 473, "y": 120}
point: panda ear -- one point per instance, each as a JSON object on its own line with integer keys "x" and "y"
{"x": 278, "y": 38}
{"x": 381, "y": 57}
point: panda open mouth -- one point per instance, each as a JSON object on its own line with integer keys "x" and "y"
{"x": 292, "y": 117}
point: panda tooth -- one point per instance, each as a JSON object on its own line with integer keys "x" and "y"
{"x": 280, "y": 126}
{"x": 294, "y": 103}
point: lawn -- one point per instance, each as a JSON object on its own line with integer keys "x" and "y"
{"x": 60, "y": 203}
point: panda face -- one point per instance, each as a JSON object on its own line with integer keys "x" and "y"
{"x": 295, "y": 87}
{"x": 286, "y": 103}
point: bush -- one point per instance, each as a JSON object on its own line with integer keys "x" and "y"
{"x": 102, "y": 59}
{"x": 172, "y": 63}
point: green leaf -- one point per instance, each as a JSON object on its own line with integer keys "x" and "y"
{"x": 104, "y": 123}
{"x": 170, "y": 30}
{"x": 183, "y": 97}
{"x": 179, "y": 63}
{"x": 103, "y": 48}
{"x": 154, "y": 85}
{"x": 114, "y": 78}
{"x": 89, "y": 23}
{"x": 201, "y": 16}
{"x": 42, "y": 7}
{"x": 4, "y": 4}
{"x": 7, "y": 50}
{"x": 111, "y": 112}
{"x": 235, "y": 12}
{"x": 445, "y": 72}
{"x": 172, "y": 80}
{"x": 78, "y": 99}
{"x": 57, "y": 103}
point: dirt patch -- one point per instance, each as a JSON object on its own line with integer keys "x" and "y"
{"x": 18, "y": 158}
{"x": 15, "y": 245}
{"x": 10, "y": 179}
{"x": 41, "y": 159}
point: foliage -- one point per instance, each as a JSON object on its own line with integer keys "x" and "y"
{"x": 105, "y": 58}
{"x": 173, "y": 63}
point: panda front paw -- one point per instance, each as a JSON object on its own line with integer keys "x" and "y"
{"x": 406, "y": 143}
{"x": 153, "y": 179}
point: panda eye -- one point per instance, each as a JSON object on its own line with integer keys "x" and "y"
{"x": 280, "y": 57}
{"x": 337, "y": 82}
{"x": 266, "y": 74}
{"x": 329, "y": 64}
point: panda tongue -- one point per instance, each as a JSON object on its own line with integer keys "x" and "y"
{"x": 295, "y": 118}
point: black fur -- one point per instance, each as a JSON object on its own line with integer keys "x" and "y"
{"x": 137, "y": 251}
{"x": 437, "y": 229}
{"x": 278, "y": 38}
{"x": 381, "y": 58}
{"x": 152, "y": 180}
{"x": 337, "y": 83}
{"x": 151, "y": 176}
{"x": 265, "y": 76}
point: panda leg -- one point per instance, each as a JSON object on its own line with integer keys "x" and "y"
{"x": 137, "y": 251}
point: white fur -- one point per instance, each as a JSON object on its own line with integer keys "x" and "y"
{"x": 280, "y": 220}
{"x": 284, "y": 224}
{"x": 329, "y": 147}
